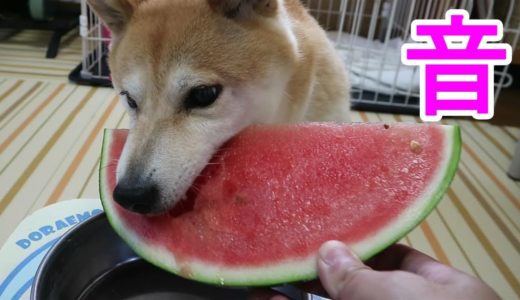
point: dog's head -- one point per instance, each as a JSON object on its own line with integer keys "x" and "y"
{"x": 191, "y": 73}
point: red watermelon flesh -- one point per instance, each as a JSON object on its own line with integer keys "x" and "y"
{"x": 273, "y": 194}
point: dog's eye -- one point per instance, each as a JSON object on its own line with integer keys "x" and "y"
{"x": 202, "y": 96}
{"x": 131, "y": 102}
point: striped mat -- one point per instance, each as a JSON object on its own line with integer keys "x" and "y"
{"x": 23, "y": 55}
{"x": 50, "y": 140}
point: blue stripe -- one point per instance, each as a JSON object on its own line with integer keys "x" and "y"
{"x": 23, "y": 289}
{"x": 20, "y": 267}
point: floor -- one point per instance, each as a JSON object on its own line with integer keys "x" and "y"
{"x": 50, "y": 140}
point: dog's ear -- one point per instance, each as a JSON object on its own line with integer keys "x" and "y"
{"x": 244, "y": 8}
{"x": 114, "y": 13}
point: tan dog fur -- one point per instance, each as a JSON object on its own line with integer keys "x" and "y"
{"x": 273, "y": 60}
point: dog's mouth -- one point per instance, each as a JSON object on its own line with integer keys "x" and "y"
{"x": 187, "y": 201}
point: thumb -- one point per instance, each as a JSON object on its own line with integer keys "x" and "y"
{"x": 342, "y": 273}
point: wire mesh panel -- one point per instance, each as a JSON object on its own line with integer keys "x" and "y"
{"x": 369, "y": 35}
{"x": 95, "y": 40}
{"x": 509, "y": 13}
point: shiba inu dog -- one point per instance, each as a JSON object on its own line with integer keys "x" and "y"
{"x": 193, "y": 73}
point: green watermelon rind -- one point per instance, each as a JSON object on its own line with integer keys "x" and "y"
{"x": 437, "y": 195}
{"x": 301, "y": 269}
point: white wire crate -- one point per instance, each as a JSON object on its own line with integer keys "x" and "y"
{"x": 369, "y": 35}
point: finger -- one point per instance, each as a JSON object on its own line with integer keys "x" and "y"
{"x": 429, "y": 268}
{"x": 344, "y": 276}
{"x": 265, "y": 294}
{"x": 401, "y": 257}
{"x": 337, "y": 265}
{"x": 390, "y": 259}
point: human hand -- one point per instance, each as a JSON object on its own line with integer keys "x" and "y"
{"x": 399, "y": 272}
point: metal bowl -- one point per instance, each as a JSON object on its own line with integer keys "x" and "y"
{"x": 92, "y": 262}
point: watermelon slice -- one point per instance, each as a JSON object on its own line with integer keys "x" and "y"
{"x": 275, "y": 193}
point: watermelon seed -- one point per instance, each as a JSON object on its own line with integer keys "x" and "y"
{"x": 240, "y": 200}
{"x": 386, "y": 126}
{"x": 415, "y": 147}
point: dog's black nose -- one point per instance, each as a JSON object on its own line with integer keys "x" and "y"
{"x": 140, "y": 198}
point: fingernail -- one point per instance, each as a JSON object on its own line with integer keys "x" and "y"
{"x": 334, "y": 252}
